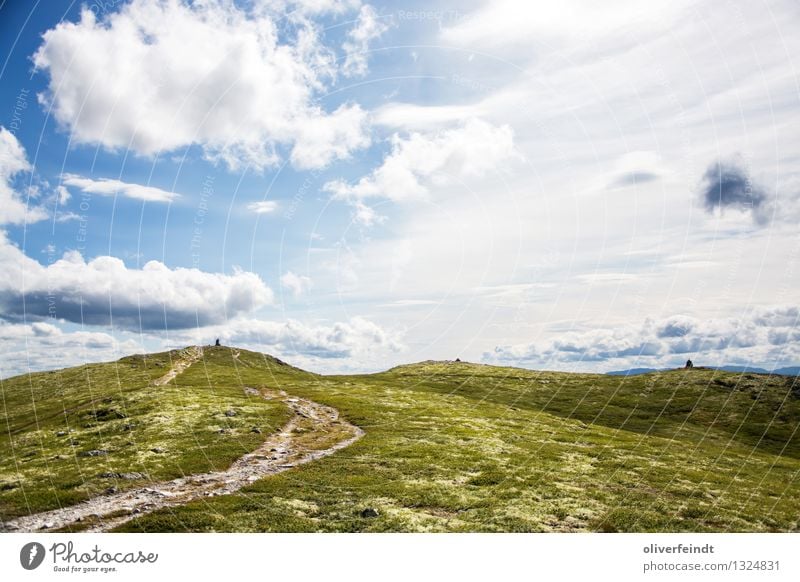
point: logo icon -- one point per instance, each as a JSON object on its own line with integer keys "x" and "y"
{"x": 31, "y": 555}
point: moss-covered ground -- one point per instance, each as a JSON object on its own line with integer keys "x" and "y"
{"x": 448, "y": 447}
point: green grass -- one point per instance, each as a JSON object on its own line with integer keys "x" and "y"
{"x": 463, "y": 447}
{"x": 52, "y": 422}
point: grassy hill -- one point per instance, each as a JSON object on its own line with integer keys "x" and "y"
{"x": 72, "y": 434}
{"x": 448, "y": 447}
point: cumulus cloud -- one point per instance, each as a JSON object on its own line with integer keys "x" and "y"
{"x": 297, "y": 284}
{"x": 368, "y": 27}
{"x": 769, "y": 334}
{"x": 727, "y": 184}
{"x": 103, "y": 291}
{"x": 13, "y": 161}
{"x": 356, "y": 337}
{"x": 263, "y": 207}
{"x": 109, "y": 187}
{"x": 423, "y": 159}
{"x": 159, "y": 75}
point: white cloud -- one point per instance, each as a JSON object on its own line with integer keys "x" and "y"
{"x": 305, "y": 8}
{"x": 422, "y": 159}
{"x": 322, "y": 138}
{"x": 62, "y": 195}
{"x": 110, "y": 187}
{"x": 43, "y": 346}
{"x": 635, "y": 168}
{"x": 764, "y": 336}
{"x": 13, "y": 161}
{"x": 357, "y": 337}
{"x": 503, "y": 23}
{"x": 157, "y": 76}
{"x": 368, "y": 27}
{"x": 103, "y": 291}
{"x": 297, "y": 284}
{"x": 263, "y": 207}
{"x": 420, "y": 117}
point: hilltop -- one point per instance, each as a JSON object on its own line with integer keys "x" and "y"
{"x": 785, "y": 371}
{"x": 447, "y": 446}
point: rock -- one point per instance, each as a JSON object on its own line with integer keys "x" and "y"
{"x": 157, "y": 450}
{"x": 93, "y": 453}
{"x": 255, "y": 430}
{"x": 111, "y": 490}
{"x": 230, "y": 413}
{"x": 62, "y": 433}
{"x": 369, "y": 512}
{"x": 105, "y": 414}
{"x": 132, "y": 476}
{"x": 109, "y": 475}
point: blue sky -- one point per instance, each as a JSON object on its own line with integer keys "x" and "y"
{"x": 352, "y": 185}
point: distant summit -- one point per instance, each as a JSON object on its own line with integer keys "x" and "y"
{"x": 786, "y": 371}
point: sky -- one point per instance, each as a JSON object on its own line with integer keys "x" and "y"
{"x": 350, "y": 186}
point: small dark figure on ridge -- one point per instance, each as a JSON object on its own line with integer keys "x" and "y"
{"x": 689, "y": 364}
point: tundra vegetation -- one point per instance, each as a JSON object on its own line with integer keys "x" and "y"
{"x": 449, "y": 446}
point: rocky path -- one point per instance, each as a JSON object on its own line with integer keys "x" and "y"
{"x": 192, "y": 354}
{"x": 313, "y": 432}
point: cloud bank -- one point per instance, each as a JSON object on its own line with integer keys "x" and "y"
{"x": 768, "y": 334}
{"x": 103, "y": 291}
{"x": 42, "y": 346}
{"x": 357, "y": 337}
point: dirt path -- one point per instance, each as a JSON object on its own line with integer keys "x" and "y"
{"x": 315, "y": 431}
{"x": 193, "y": 354}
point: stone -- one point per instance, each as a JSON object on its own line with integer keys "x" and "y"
{"x": 255, "y": 430}
{"x": 93, "y": 453}
{"x": 132, "y": 476}
{"x": 369, "y": 512}
{"x": 230, "y": 413}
